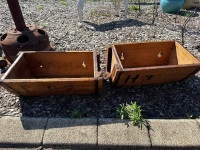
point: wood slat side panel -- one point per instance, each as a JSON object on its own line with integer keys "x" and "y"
{"x": 173, "y": 60}
{"x": 19, "y": 70}
{"x": 144, "y": 54}
{"x": 96, "y": 59}
{"x": 61, "y": 64}
{"x": 108, "y": 58}
{"x": 9, "y": 89}
{"x": 114, "y": 61}
{"x": 184, "y": 57}
{"x": 153, "y": 76}
{"x": 115, "y": 74}
{"x": 114, "y": 51}
{"x": 53, "y": 87}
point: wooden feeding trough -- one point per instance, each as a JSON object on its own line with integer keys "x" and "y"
{"x": 54, "y": 73}
{"x": 149, "y": 63}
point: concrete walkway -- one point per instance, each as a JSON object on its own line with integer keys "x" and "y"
{"x": 93, "y": 133}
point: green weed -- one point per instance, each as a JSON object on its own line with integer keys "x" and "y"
{"x": 193, "y": 115}
{"x": 63, "y": 2}
{"x": 92, "y": 0}
{"x": 43, "y": 25}
{"x": 134, "y": 113}
{"x": 134, "y": 8}
{"x": 39, "y": 7}
{"x": 95, "y": 13}
{"x": 76, "y": 114}
{"x": 186, "y": 14}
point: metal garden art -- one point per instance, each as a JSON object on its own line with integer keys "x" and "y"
{"x": 80, "y": 5}
{"x": 174, "y": 6}
{"x": 22, "y": 37}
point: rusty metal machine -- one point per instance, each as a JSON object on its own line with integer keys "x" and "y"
{"x": 23, "y": 37}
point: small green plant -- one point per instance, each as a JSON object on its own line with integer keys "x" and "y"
{"x": 133, "y": 112}
{"x": 43, "y": 25}
{"x": 186, "y": 14}
{"x": 92, "y": 0}
{"x": 63, "y": 2}
{"x": 76, "y": 114}
{"x": 95, "y": 13}
{"x": 134, "y": 8}
{"x": 39, "y": 7}
{"x": 193, "y": 115}
{"x": 154, "y": 6}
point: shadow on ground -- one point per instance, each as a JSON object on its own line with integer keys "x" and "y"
{"x": 114, "y": 25}
{"x": 178, "y": 100}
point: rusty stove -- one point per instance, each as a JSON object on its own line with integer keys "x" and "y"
{"x": 22, "y": 38}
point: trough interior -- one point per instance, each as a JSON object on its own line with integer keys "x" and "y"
{"x": 153, "y": 54}
{"x": 53, "y": 65}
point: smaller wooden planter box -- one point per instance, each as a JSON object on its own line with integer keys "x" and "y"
{"x": 149, "y": 63}
{"x": 53, "y": 73}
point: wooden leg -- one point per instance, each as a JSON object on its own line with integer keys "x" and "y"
{"x": 80, "y": 4}
{"x": 126, "y": 9}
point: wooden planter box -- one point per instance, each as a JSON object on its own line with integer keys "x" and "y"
{"x": 149, "y": 63}
{"x": 53, "y": 73}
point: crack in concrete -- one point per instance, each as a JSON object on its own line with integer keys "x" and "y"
{"x": 97, "y": 131}
{"x": 45, "y": 127}
{"x": 98, "y": 108}
{"x": 198, "y": 123}
{"x": 149, "y": 134}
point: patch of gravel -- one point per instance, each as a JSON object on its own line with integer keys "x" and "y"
{"x": 173, "y": 100}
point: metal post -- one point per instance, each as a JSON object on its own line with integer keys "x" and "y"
{"x": 17, "y": 14}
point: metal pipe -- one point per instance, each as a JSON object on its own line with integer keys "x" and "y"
{"x": 16, "y": 14}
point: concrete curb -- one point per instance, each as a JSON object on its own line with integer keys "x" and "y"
{"x": 70, "y": 133}
{"x": 93, "y": 133}
{"x": 21, "y": 132}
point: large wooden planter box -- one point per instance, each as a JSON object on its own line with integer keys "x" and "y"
{"x": 53, "y": 73}
{"x": 149, "y": 63}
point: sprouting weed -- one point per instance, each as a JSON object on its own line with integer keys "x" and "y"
{"x": 134, "y": 8}
{"x": 76, "y": 114}
{"x": 43, "y": 24}
{"x": 134, "y": 113}
{"x": 63, "y": 2}
{"x": 186, "y": 14}
{"x": 39, "y": 7}
{"x": 95, "y": 13}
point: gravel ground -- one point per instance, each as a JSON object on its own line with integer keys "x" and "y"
{"x": 59, "y": 19}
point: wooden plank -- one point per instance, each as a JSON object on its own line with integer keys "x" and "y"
{"x": 96, "y": 68}
{"x": 144, "y": 54}
{"x": 97, "y": 73}
{"x": 9, "y": 89}
{"x": 108, "y": 58}
{"x": 115, "y": 74}
{"x": 173, "y": 60}
{"x": 184, "y": 57}
{"x": 116, "y": 56}
{"x": 55, "y": 64}
{"x": 57, "y": 86}
{"x": 113, "y": 61}
{"x": 153, "y": 75}
{"x": 18, "y": 70}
